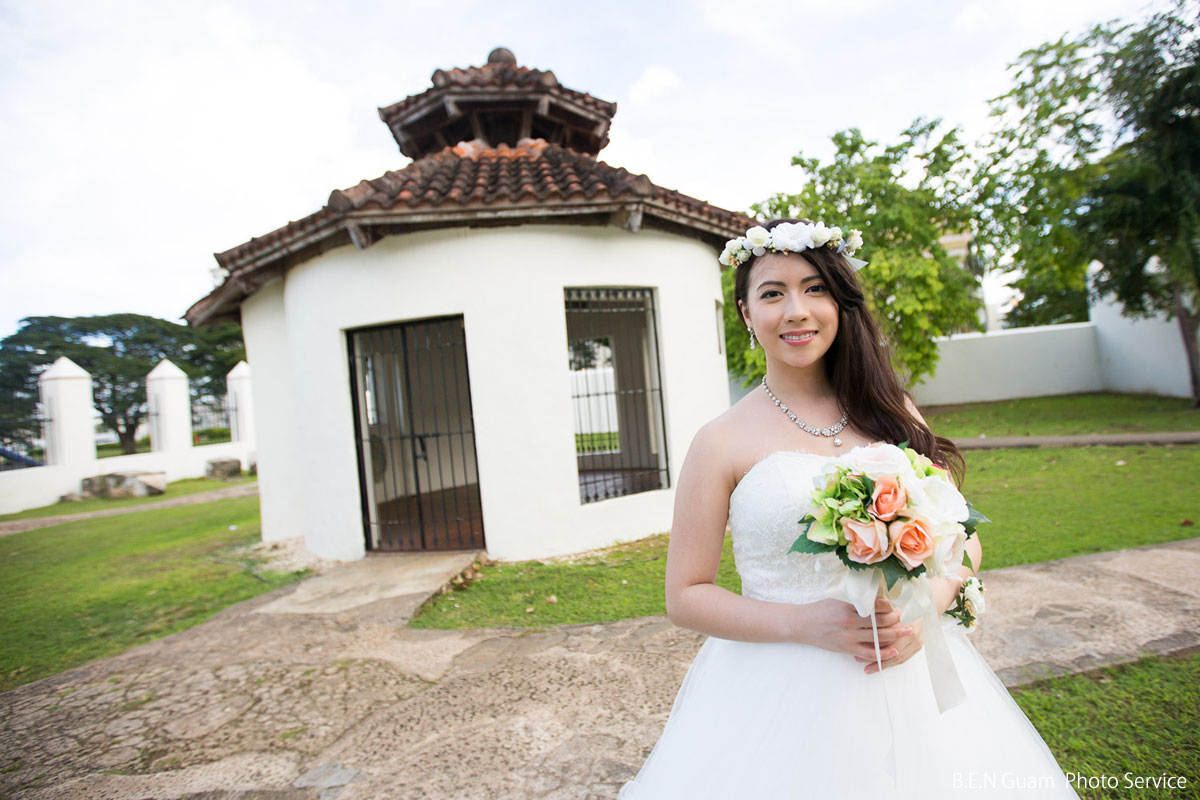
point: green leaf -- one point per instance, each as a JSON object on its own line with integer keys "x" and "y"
{"x": 967, "y": 561}
{"x": 869, "y": 485}
{"x": 807, "y": 545}
{"x": 853, "y": 564}
{"x": 974, "y": 518}
{"x": 894, "y": 569}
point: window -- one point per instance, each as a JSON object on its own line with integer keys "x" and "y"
{"x": 616, "y": 392}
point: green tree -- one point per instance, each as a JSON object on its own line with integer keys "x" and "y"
{"x": 1033, "y": 171}
{"x": 903, "y": 197}
{"x": 118, "y": 350}
{"x": 1098, "y": 157}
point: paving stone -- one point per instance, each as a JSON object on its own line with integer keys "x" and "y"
{"x": 308, "y": 706}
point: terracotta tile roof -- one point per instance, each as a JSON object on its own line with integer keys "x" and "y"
{"x": 473, "y": 173}
{"x": 469, "y": 184}
{"x": 496, "y": 76}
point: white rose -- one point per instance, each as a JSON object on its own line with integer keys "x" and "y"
{"x": 804, "y": 238}
{"x": 820, "y": 234}
{"x": 937, "y": 498}
{"x": 855, "y": 241}
{"x": 973, "y": 595}
{"x": 949, "y": 543}
{"x": 784, "y": 237}
{"x": 835, "y": 234}
{"x": 757, "y": 237}
{"x": 879, "y": 460}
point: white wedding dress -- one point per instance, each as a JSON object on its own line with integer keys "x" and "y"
{"x": 793, "y": 721}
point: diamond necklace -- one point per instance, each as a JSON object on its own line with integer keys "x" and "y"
{"x": 833, "y": 430}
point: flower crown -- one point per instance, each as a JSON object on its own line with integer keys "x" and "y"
{"x": 794, "y": 237}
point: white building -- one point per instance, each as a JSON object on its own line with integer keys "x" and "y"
{"x": 414, "y": 342}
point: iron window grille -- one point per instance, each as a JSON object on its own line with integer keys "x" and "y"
{"x": 616, "y": 392}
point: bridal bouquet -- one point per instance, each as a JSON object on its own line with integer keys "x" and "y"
{"x": 893, "y": 518}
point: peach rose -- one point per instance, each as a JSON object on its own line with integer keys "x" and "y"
{"x": 868, "y": 541}
{"x": 888, "y": 499}
{"x": 912, "y": 540}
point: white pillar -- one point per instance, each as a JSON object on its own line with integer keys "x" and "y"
{"x": 170, "y": 408}
{"x": 66, "y": 393}
{"x": 240, "y": 397}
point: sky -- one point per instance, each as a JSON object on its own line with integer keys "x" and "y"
{"x": 139, "y": 138}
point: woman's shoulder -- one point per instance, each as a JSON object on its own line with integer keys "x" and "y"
{"x": 731, "y": 425}
{"x": 725, "y": 442}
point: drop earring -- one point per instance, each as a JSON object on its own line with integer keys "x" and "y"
{"x": 751, "y": 337}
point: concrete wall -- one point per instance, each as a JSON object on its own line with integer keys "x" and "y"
{"x": 1018, "y": 362}
{"x": 66, "y": 398}
{"x": 508, "y": 284}
{"x": 1140, "y": 355}
{"x": 34, "y": 487}
{"x": 280, "y": 449}
{"x": 1109, "y": 353}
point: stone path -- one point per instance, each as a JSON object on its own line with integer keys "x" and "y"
{"x": 1085, "y": 440}
{"x": 304, "y": 698}
{"x": 20, "y": 525}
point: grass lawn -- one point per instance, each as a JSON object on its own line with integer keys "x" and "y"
{"x": 1045, "y": 503}
{"x": 1139, "y": 718}
{"x": 174, "y": 489}
{"x": 597, "y": 442}
{"x": 94, "y": 588}
{"x": 1064, "y": 415}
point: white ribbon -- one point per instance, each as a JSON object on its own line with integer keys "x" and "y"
{"x": 914, "y": 598}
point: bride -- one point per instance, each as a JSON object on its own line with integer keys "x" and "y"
{"x": 785, "y": 699}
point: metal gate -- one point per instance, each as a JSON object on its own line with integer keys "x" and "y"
{"x": 416, "y": 439}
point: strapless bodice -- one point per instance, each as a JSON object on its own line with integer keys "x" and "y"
{"x": 764, "y": 514}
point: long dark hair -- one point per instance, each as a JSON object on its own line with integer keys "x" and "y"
{"x": 859, "y": 364}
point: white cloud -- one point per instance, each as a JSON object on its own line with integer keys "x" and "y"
{"x": 139, "y": 137}
{"x": 654, "y": 82}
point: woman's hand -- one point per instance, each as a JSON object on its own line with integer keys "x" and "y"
{"x": 834, "y": 625}
{"x": 902, "y": 648}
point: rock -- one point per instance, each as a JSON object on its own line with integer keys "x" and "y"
{"x": 326, "y": 776}
{"x": 116, "y": 485}
{"x": 70, "y": 497}
{"x": 223, "y": 468}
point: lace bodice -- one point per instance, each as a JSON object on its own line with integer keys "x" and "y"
{"x": 764, "y": 511}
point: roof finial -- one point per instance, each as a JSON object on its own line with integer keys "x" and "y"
{"x": 502, "y": 55}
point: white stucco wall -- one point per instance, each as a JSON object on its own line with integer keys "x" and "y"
{"x": 1019, "y": 362}
{"x": 34, "y": 487}
{"x": 279, "y": 449}
{"x": 508, "y": 284}
{"x": 1139, "y": 355}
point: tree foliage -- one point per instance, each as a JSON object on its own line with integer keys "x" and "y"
{"x": 1033, "y": 172}
{"x": 118, "y": 350}
{"x": 1098, "y": 157}
{"x": 904, "y": 197}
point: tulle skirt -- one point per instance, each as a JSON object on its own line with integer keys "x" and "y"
{"x": 794, "y": 721}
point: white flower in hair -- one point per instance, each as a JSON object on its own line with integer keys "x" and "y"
{"x": 758, "y": 236}
{"x": 790, "y": 236}
{"x": 795, "y": 237}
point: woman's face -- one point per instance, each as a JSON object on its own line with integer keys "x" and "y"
{"x": 790, "y": 309}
